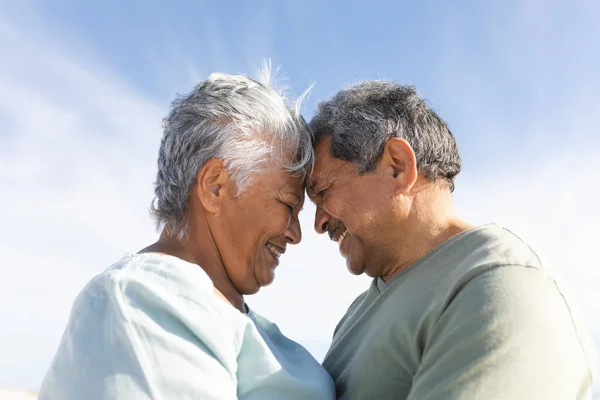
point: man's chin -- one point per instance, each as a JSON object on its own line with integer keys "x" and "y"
{"x": 353, "y": 268}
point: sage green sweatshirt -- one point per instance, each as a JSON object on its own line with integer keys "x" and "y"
{"x": 479, "y": 317}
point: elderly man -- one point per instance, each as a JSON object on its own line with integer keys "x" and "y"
{"x": 454, "y": 311}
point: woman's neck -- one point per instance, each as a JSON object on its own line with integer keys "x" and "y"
{"x": 199, "y": 248}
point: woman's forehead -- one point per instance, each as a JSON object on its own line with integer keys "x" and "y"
{"x": 281, "y": 180}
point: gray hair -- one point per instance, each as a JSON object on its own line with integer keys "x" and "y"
{"x": 247, "y": 123}
{"x": 362, "y": 118}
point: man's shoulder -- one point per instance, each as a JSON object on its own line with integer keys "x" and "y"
{"x": 443, "y": 273}
{"x": 493, "y": 244}
{"x": 479, "y": 250}
{"x": 460, "y": 259}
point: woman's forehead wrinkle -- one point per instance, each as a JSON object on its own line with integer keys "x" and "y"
{"x": 285, "y": 189}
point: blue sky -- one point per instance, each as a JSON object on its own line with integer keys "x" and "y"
{"x": 84, "y": 86}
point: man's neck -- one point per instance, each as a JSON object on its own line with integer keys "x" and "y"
{"x": 431, "y": 222}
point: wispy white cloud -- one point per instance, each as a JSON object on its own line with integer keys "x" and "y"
{"x": 8, "y": 394}
{"x": 76, "y": 167}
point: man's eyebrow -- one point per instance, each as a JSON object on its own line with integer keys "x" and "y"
{"x": 313, "y": 185}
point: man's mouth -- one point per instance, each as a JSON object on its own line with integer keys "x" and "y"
{"x": 275, "y": 251}
{"x": 339, "y": 235}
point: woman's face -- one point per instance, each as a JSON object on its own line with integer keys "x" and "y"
{"x": 257, "y": 226}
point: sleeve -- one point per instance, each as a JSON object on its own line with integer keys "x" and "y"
{"x": 140, "y": 341}
{"x": 507, "y": 334}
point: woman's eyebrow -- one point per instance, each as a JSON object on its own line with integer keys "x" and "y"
{"x": 294, "y": 195}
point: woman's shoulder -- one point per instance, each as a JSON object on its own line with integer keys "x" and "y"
{"x": 160, "y": 272}
{"x": 157, "y": 284}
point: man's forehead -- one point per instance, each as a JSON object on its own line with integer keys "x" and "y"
{"x": 322, "y": 149}
{"x": 322, "y": 154}
{"x": 311, "y": 183}
{"x": 324, "y": 166}
{"x": 317, "y": 178}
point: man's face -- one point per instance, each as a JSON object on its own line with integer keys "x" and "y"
{"x": 355, "y": 210}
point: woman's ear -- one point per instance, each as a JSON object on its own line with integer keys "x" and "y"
{"x": 212, "y": 185}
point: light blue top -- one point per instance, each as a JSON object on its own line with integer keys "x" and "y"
{"x": 151, "y": 327}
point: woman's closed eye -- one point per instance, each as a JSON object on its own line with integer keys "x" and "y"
{"x": 291, "y": 207}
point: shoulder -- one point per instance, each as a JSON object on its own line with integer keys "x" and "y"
{"x": 147, "y": 274}
{"x": 489, "y": 249}
{"x": 140, "y": 313}
{"x": 145, "y": 287}
{"x": 523, "y": 311}
{"x": 491, "y": 260}
{"x": 510, "y": 289}
{"x": 440, "y": 274}
{"x": 493, "y": 245}
{"x": 487, "y": 275}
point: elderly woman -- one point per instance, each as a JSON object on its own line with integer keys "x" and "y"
{"x": 170, "y": 322}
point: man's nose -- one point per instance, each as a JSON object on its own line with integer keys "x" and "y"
{"x": 322, "y": 220}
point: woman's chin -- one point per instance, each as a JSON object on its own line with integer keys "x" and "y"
{"x": 263, "y": 276}
{"x": 259, "y": 282}
{"x": 266, "y": 277}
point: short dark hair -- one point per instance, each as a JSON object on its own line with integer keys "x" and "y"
{"x": 362, "y": 118}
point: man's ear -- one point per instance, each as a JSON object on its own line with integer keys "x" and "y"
{"x": 402, "y": 164}
{"x": 213, "y": 184}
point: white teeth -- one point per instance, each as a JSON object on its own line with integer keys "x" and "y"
{"x": 342, "y": 236}
{"x": 274, "y": 250}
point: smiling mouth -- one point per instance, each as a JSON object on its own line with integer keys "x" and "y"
{"x": 275, "y": 251}
{"x": 339, "y": 236}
